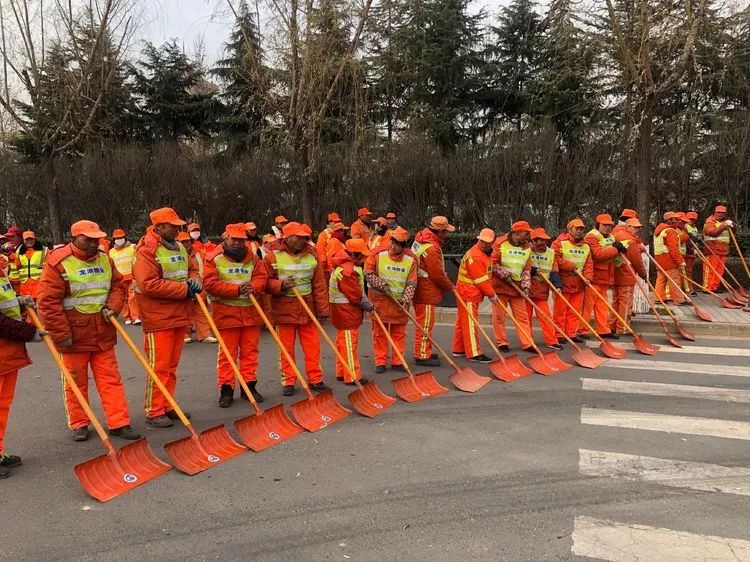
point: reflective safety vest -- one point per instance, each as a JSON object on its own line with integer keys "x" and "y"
{"x": 301, "y": 268}
{"x": 235, "y": 273}
{"x": 420, "y": 249}
{"x": 31, "y": 268}
{"x": 723, "y": 237}
{"x": 660, "y": 242}
{"x": 514, "y": 259}
{"x": 683, "y": 246}
{"x": 463, "y": 274}
{"x": 619, "y": 262}
{"x": 334, "y": 293}
{"x": 123, "y": 258}
{"x": 89, "y": 283}
{"x": 543, "y": 261}
{"x": 691, "y": 229}
{"x": 576, "y": 254}
{"x": 174, "y": 263}
{"x": 9, "y": 305}
{"x": 394, "y": 273}
{"x": 604, "y": 241}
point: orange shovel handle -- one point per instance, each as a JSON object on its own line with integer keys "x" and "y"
{"x": 739, "y": 252}
{"x": 608, "y": 305}
{"x": 558, "y": 292}
{"x": 396, "y": 350}
{"x": 542, "y": 314}
{"x": 509, "y": 314}
{"x": 225, "y": 350}
{"x": 707, "y": 263}
{"x": 661, "y": 301}
{"x": 482, "y": 331}
{"x": 672, "y": 281}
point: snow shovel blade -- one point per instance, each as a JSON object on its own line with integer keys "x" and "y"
{"x": 502, "y": 371}
{"x": 319, "y": 411}
{"x": 702, "y": 314}
{"x": 406, "y": 388}
{"x": 196, "y": 453}
{"x": 611, "y": 350}
{"x": 673, "y": 341}
{"x": 730, "y": 303}
{"x": 741, "y": 291}
{"x": 428, "y": 384}
{"x": 554, "y": 361}
{"x": 105, "y": 478}
{"x": 261, "y": 431}
{"x": 587, "y": 358}
{"x": 371, "y": 401}
{"x": 685, "y": 333}
{"x": 540, "y": 366}
{"x": 468, "y": 380}
{"x": 517, "y": 367}
{"x": 645, "y": 347}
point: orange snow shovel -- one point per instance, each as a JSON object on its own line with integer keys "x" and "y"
{"x": 316, "y": 411}
{"x": 368, "y": 399}
{"x": 582, "y": 355}
{"x": 262, "y": 429}
{"x": 726, "y": 302}
{"x": 639, "y": 342}
{"x": 702, "y": 314}
{"x": 687, "y": 335}
{"x": 736, "y": 296}
{"x": 197, "y": 452}
{"x": 463, "y": 378}
{"x": 507, "y": 369}
{"x": 110, "y": 475}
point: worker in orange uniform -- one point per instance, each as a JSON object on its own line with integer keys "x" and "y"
{"x": 232, "y": 273}
{"x": 323, "y": 238}
{"x": 380, "y": 236}
{"x": 334, "y": 245}
{"x": 253, "y": 240}
{"x": 624, "y": 286}
{"x": 198, "y": 323}
{"x": 123, "y": 255}
{"x": 716, "y": 238}
{"x": 604, "y": 252}
{"x": 573, "y": 254}
{"x": 694, "y": 236}
{"x": 391, "y": 220}
{"x": 27, "y": 267}
{"x": 166, "y": 281}
{"x": 348, "y": 302}
{"x": 432, "y": 284}
{"x": 543, "y": 264}
{"x": 511, "y": 263}
{"x": 361, "y": 228}
{"x": 667, "y": 254}
{"x": 391, "y": 274}
{"x": 625, "y": 215}
{"x": 279, "y": 222}
{"x": 199, "y": 247}
{"x": 473, "y": 286}
{"x": 79, "y": 291}
{"x": 293, "y": 264}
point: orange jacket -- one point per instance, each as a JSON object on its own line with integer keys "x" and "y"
{"x": 227, "y": 315}
{"x": 333, "y": 247}
{"x": 539, "y": 288}
{"x": 388, "y": 310}
{"x": 380, "y": 241}
{"x": 347, "y": 316}
{"x": 673, "y": 259}
{"x": 571, "y": 282}
{"x": 90, "y": 332}
{"x": 320, "y": 247}
{"x": 603, "y": 258}
{"x": 433, "y": 282}
{"x": 623, "y": 277}
{"x": 13, "y": 334}
{"x": 288, "y": 310}
{"x": 710, "y": 229}
{"x": 360, "y": 230}
{"x": 164, "y": 303}
{"x": 203, "y": 248}
{"x": 30, "y": 286}
{"x": 478, "y": 267}
{"x": 501, "y": 287}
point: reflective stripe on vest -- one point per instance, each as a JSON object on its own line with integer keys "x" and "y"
{"x": 89, "y": 283}
{"x": 576, "y": 254}
{"x": 543, "y": 262}
{"x": 8, "y": 301}
{"x": 420, "y": 250}
{"x": 723, "y": 237}
{"x": 660, "y": 242}
{"x": 301, "y": 268}
{"x": 604, "y": 241}
{"x": 31, "y": 268}
{"x": 691, "y": 229}
{"x": 394, "y": 273}
{"x": 463, "y": 274}
{"x": 334, "y": 293}
{"x": 174, "y": 263}
{"x": 619, "y": 262}
{"x": 514, "y": 259}
{"x": 236, "y": 274}
{"x": 123, "y": 259}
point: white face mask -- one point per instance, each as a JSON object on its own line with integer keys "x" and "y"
{"x": 195, "y": 234}
{"x": 119, "y": 241}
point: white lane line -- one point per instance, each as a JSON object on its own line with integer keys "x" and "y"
{"x": 659, "y": 389}
{"x": 667, "y": 472}
{"x": 622, "y": 542}
{"x": 687, "y": 368}
{"x": 663, "y": 422}
{"x": 692, "y": 349}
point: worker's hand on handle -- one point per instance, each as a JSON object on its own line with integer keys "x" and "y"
{"x": 366, "y": 304}
{"x": 195, "y": 286}
{"x": 39, "y": 335}
{"x": 494, "y": 299}
{"x": 108, "y": 313}
{"x": 287, "y": 283}
{"x": 68, "y": 342}
{"x": 620, "y": 247}
{"x": 246, "y": 288}
{"x": 729, "y": 223}
{"x": 556, "y": 280}
{"x": 27, "y": 301}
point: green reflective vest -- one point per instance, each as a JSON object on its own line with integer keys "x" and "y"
{"x": 174, "y": 263}
{"x": 723, "y": 237}
{"x": 576, "y": 254}
{"x": 89, "y": 283}
{"x": 660, "y": 241}
{"x": 543, "y": 261}
{"x": 394, "y": 273}
{"x": 334, "y": 293}
{"x": 514, "y": 259}
{"x": 604, "y": 241}
{"x": 236, "y": 274}
{"x": 420, "y": 249}
{"x": 8, "y": 300}
{"x": 31, "y": 268}
{"x": 301, "y": 268}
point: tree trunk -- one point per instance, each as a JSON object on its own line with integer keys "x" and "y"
{"x": 645, "y": 167}
{"x": 53, "y": 199}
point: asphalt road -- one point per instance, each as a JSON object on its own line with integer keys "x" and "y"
{"x": 546, "y": 468}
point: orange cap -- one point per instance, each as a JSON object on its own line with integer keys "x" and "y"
{"x": 28, "y": 234}
{"x": 576, "y": 223}
{"x": 364, "y": 211}
{"x": 118, "y": 233}
{"x": 486, "y": 235}
{"x": 294, "y": 229}
{"x": 193, "y": 226}
{"x": 720, "y": 209}
{"x": 357, "y": 246}
{"x": 307, "y": 229}
{"x": 669, "y": 215}
{"x": 334, "y": 217}
{"x": 520, "y": 226}
{"x": 390, "y": 215}
{"x": 634, "y": 222}
{"x": 280, "y": 218}
{"x": 236, "y": 230}
{"x": 268, "y": 238}
{"x": 340, "y": 226}
{"x": 681, "y": 216}
{"x": 604, "y": 218}
{"x": 251, "y": 226}
{"x": 629, "y": 213}
{"x": 441, "y": 223}
{"x": 85, "y": 228}
{"x": 184, "y": 237}
{"x": 540, "y": 233}
{"x": 692, "y": 215}
{"x": 381, "y": 221}
{"x": 400, "y": 234}
{"x": 165, "y": 215}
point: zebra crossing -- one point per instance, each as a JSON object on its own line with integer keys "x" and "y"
{"x": 671, "y": 384}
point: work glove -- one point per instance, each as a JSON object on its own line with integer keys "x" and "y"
{"x": 366, "y": 304}
{"x": 534, "y": 271}
{"x": 376, "y": 283}
{"x": 408, "y": 297}
{"x": 525, "y": 283}
{"x": 108, "y": 313}
{"x": 39, "y": 335}
{"x": 246, "y": 288}
{"x": 729, "y": 223}
{"x": 501, "y": 272}
{"x": 620, "y": 247}
{"x": 27, "y": 301}
{"x": 556, "y": 280}
{"x": 494, "y": 299}
{"x": 195, "y": 286}
{"x": 67, "y": 342}
{"x": 287, "y": 283}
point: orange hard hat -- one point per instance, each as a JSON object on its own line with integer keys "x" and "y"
{"x": 720, "y": 209}
{"x": 165, "y": 215}
{"x": 486, "y": 235}
{"x": 193, "y": 226}
{"x": 236, "y": 230}
{"x": 118, "y": 233}
{"x": 629, "y": 213}
{"x": 251, "y": 226}
{"x": 364, "y": 211}
{"x": 268, "y": 238}
{"x": 357, "y": 246}
{"x": 86, "y": 228}
{"x": 540, "y": 233}
{"x": 634, "y": 222}
{"x": 390, "y": 215}
{"x": 604, "y": 218}
{"x": 280, "y": 219}
{"x": 334, "y": 217}
{"x": 441, "y": 223}
{"x": 400, "y": 234}
{"x": 28, "y": 234}
{"x": 381, "y": 221}
{"x": 184, "y": 237}
{"x": 576, "y": 223}
{"x": 691, "y": 215}
{"x": 294, "y": 229}
{"x": 520, "y": 226}
{"x": 339, "y": 226}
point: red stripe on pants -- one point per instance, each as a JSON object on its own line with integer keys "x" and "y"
{"x": 425, "y": 314}
{"x": 548, "y": 330}
{"x": 242, "y": 344}
{"x": 163, "y": 350}
{"x": 566, "y": 318}
{"x": 308, "y": 338}
{"x": 7, "y": 391}
{"x": 381, "y": 346}
{"x": 347, "y": 343}
{"x": 466, "y": 332}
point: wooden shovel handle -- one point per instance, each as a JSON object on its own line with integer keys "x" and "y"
{"x": 544, "y": 315}
{"x": 605, "y": 300}
{"x": 482, "y": 331}
{"x": 739, "y": 252}
{"x": 558, "y": 292}
{"x": 664, "y": 273}
{"x": 396, "y": 350}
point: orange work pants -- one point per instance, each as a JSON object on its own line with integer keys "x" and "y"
{"x": 622, "y": 301}
{"x": 130, "y": 311}
{"x": 381, "y": 346}
{"x": 308, "y": 338}
{"x": 242, "y": 343}
{"x": 662, "y": 282}
{"x": 108, "y": 382}
{"x": 466, "y": 332}
{"x": 548, "y": 330}
{"x": 711, "y": 280}
{"x": 30, "y": 288}
{"x": 518, "y": 309}
{"x": 425, "y": 314}
{"x": 566, "y": 318}
{"x": 347, "y": 343}
{"x": 689, "y": 262}
{"x": 163, "y": 349}
{"x": 198, "y": 321}
{"x": 598, "y": 306}
{"x": 7, "y": 391}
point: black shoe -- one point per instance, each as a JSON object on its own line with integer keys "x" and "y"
{"x": 398, "y": 368}
{"x": 458, "y": 354}
{"x": 561, "y": 341}
{"x": 481, "y": 358}
{"x": 584, "y": 336}
{"x": 257, "y": 395}
{"x": 226, "y": 396}
{"x": 4, "y": 472}
{"x": 172, "y": 415}
{"x": 160, "y": 421}
{"x": 379, "y": 369}
{"x": 505, "y": 348}
{"x": 10, "y": 461}
{"x": 362, "y": 381}
{"x": 427, "y": 362}
{"x": 319, "y": 386}
{"x": 288, "y": 390}
{"x": 81, "y": 433}
{"x": 434, "y": 356}
{"x": 610, "y": 336}
{"x": 125, "y": 432}
{"x": 555, "y": 346}
{"x": 529, "y": 349}
{"x": 577, "y": 339}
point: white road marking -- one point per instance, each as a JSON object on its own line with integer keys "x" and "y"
{"x": 693, "y": 349}
{"x": 667, "y": 472}
{"x": 671, "y": 424}
{"x": 622, "y": 542}
{"x": 659, "y": 389}
{"x": 687, "y": 368}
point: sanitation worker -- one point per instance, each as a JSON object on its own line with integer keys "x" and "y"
{"x": 473, "y": 286}
{"x": 232, "y": 273}
{"x": 716, "y": 238}
{"x": 573, "y": 254}
{"x": 381, "y": 235}
{"x": 166, "y": 281}
{"x": 79, "y": 291}
{"x": 334, "y": 245}
{"x": 667, "y": 254}
{"x": 199, "y": 247}
{"x": 695, "y": 237}
{"x": 624, "y": 286}
{"x": 392, "y": 220}
{"x": 543, "y": 263}
{"x": 348, "y": 302}
{"x": 322, "y": 244}
{"x": 27, "y": 267}
{"x": 198, "y": 323}
{"x": 294, "y": 264}
{"x": 361, "y": 227}
{"x": 123, "y": 255}
{"x": 393, "y": 272}
{"x": 625, "y": 215}
{"x": 253, "y": 240}
{"x": 604, "y": 252}
{"x": 432, "y": 284}
{"x": 278, "y": 226}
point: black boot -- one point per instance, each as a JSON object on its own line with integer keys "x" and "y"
{"x": 257, "y": 395}
{"x": 288, "y": 390}
{"x": 226, "y": 397}
{"x": 10, "y": 461}
{"x": 125, "y": 432}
